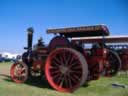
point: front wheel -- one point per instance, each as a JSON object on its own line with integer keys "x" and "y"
{"x": 19, "y": 72}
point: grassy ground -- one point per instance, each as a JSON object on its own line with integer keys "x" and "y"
{"x": 100, "y": 87}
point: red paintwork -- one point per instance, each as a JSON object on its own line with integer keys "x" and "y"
{"x": 88, "y": 66}
{"x": 109, "y": 39}
{"x": 58, "y": 42}
{"x": 96, "y": 63}
{"x": 124, "y": 59}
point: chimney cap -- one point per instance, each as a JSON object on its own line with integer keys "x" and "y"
{"x": 30, "y": 29}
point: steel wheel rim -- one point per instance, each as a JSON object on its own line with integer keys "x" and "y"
{"x": 19, "y": 72}
{"x": 64, "y": 74}
{"x": 114, "y": 63}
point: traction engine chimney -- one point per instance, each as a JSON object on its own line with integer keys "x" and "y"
{"x": 30, "y": 37}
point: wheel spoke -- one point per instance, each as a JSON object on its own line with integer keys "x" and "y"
{"x": 70, "y": 82}
{"x": 24, "y": 74}
{"x": 76, "y": 72}
{"x": 57, "y": 60}
{"x": 61, "y": 82}
{"x": 23, "y": 70}
{"x": 55, "y": 76}
{"x": 64, "y": 58}
{"x": 74, "y": 64}
{"x": 53, "y": 67}
{"x": 75, "y": 76}
{"x": 66, "y": 81}
{"x": 73, "y": 79}
{"x": 60, "y": 78}
{"x": 68, "y": 59}
{"x": 55, "y": 72}
{"x": 76, "y": 67}
{"x": 61, "y": 59}
{"x": 72, "y": 58}
{"x": 54, "y": 64}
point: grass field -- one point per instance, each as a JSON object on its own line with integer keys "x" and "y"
{"x": 102, "y": 87}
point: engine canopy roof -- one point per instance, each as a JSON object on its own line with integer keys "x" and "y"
{"x": 83, "y": 31}
{"x": 99, "y": 39}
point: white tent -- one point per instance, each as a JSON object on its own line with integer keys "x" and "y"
{"x": 9, "y": 55}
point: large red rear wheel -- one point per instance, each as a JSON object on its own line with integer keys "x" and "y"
{"x": 66, "y": 69}
{"x": 19, "y": 72}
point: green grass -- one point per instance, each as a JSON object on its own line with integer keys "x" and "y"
{"x": 100, "y": 87}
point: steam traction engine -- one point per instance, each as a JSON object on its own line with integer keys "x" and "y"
{"x": 65, "y": 62}
{"x": 118, "y": 45}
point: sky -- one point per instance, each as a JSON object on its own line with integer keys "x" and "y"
{"x": 17, "y": 15}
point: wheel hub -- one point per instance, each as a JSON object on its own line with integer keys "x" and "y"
{"x": 19, "y": 72}
{"x": 64, "y": 69}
